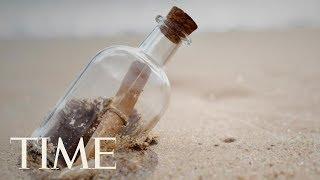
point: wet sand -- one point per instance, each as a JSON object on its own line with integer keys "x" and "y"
{"x": 243, "y": 104}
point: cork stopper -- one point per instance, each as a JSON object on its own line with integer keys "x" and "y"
{"x": 178, "y": 25}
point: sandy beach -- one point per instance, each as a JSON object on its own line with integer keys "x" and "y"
{"x": 244, "y": 105}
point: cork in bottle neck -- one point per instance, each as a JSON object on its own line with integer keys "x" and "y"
{"x": 177, "y": 25}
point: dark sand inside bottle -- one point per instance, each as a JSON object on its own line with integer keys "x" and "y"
{"x": 82, "y": 117}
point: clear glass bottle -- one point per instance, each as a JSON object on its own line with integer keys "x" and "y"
{"x": 123, "y": 91}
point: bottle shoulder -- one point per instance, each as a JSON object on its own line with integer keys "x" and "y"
{"x": 132, "y": 53}
{"x": 118, "y": 48}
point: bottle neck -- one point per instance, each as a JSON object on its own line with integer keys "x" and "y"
{"x": 158, "y": 46}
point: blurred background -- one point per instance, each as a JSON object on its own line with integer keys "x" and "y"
{"x": 251, "y": 74}
{"x": 72, "y": 18}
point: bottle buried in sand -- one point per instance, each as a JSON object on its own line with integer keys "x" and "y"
{"x": 123, "y": 91}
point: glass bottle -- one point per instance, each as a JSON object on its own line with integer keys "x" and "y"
{"x": 123, "y": 91}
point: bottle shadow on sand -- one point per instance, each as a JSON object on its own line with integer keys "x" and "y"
{"x": 129, "y": 164}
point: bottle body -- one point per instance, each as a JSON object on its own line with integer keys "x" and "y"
{"x": 116, "y": 77}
